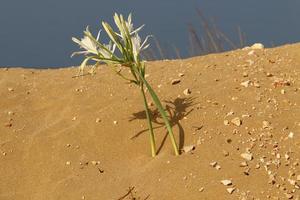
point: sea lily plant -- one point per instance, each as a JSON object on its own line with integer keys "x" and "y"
{"x": 124, "y": 49}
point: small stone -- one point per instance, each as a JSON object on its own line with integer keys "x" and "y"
{"x": 213, "y": 164}
{"x": 257, "y": 46}
{"x": 246, "y": 83}
{"x": 250, "y": 53}
{"x": 247, "y": 172}
{"x": 10, "y": 113}
{"x": 68, "y": 163}
{"x": 98, "y": 120}
{"x": 247, "y": 156}
{"x": 291, "y": 135}
{"x": 187, "y": 91}
{"x": 94, "y": 162}
{"x": 298, "y": 178}
{"x": 115, "y": 122}
{"x": 189, "y": 148}
{"x": 10, "y": 89}
{"x": 282, "y": 91}
{"x": 218, "y": 167}
{"x": 68, "y": 145}
{"x": 289, "y": 196}
{"x": 245, "y": 74}
{"x": 4, "y": 154}
{"x": 266, "y": 125}
{"x": 236, "y": 121}
{"x": 201, "y": 189}
{"x": 268, "y": 74}
{"x": 74, "y": 118}
{"x": 226, "y": 182}
{"x": 256, "y": 84}
{"x": 175, "y": 81}
{"x": 230, "y": 190}
{"x": 225, "y": 153}
{"x": 226, "y": 122}
{"x": 8, "y": 124}
{"x": 181, "y": 74}
{"x": 244, "y": 164}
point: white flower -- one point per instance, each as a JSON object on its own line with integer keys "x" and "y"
{"x": 130, "y": 25}
{"x": 87, "y": 43}
{"x": 138, "y": 46}
{"x": 110, "y": 47}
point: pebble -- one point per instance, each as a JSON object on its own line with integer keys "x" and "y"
{"x": 298, "y": 178}
{"x": 257, "y": 46}
{"x": 245, "y": 74}
{"x": 247, "y": 156}
{"x": 213, "y": 164}
{"x": 95, "y": 162}
{"x": 230, "y": 190}
{"x": 225, "y": 153}
{"x": 226, "y": 182}
{"x": 282, "y": 91}
{"x": 226, "y": 122}
{"x": 201, "y": 189}
{"x": 250, "y": 53}
{"x": 10, "y": 113}
{"x": 187, "y": 91}
{"x": 175, "y": 81}
{"x": 68, "y": 163}
{"x": 291, "y": 135}
{"x": 244, "y": 164}
{"x": 246, "y": 83}
{"x": 10, "y": 89}
{"x": 115, "y": 122}
{"x": 268, "y": 74}
{"x": 289, "y": 196}
{"x": 266, "y": 125}
{"x": 98, "y": 120}
{"x": 236, "y": 121}
{"x": 189, "y": 148}
{"x": 181, "y": 74}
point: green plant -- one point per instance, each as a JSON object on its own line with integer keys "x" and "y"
{"x": 129, "y": 46}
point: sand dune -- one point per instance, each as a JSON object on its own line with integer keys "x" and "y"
{"x": 86, "y": 137}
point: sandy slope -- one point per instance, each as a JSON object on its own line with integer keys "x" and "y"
{"x": 58, "y": 139}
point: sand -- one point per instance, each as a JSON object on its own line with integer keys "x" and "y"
{"x": 64, "y": 137}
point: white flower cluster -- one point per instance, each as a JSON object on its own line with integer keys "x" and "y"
{"x": 127, "y": 41}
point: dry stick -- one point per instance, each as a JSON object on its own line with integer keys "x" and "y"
{"x": 207, "y": 30}
{"x": 128, "y": 193}
{"x": 214, "y": 30}
{"x": 159, "y": 48}
{"x": 230, "y": 42}
{"x": 177, "y": 52}
{"x": 241, "y": 37}
{"x": 195, "y": 39}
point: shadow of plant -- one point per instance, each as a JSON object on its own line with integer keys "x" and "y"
{"x": 177, "y": 110}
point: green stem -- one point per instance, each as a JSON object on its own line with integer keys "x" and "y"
{"x": 152, "y": 139}
{"x": 162, "y": 112}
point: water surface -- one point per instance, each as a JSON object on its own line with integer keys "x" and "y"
{"x": 37, "y": 33}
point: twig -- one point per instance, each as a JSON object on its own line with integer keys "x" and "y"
{"x": 128, "y": 193}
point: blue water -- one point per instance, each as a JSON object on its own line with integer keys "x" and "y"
{"x": 37, "y": 33}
